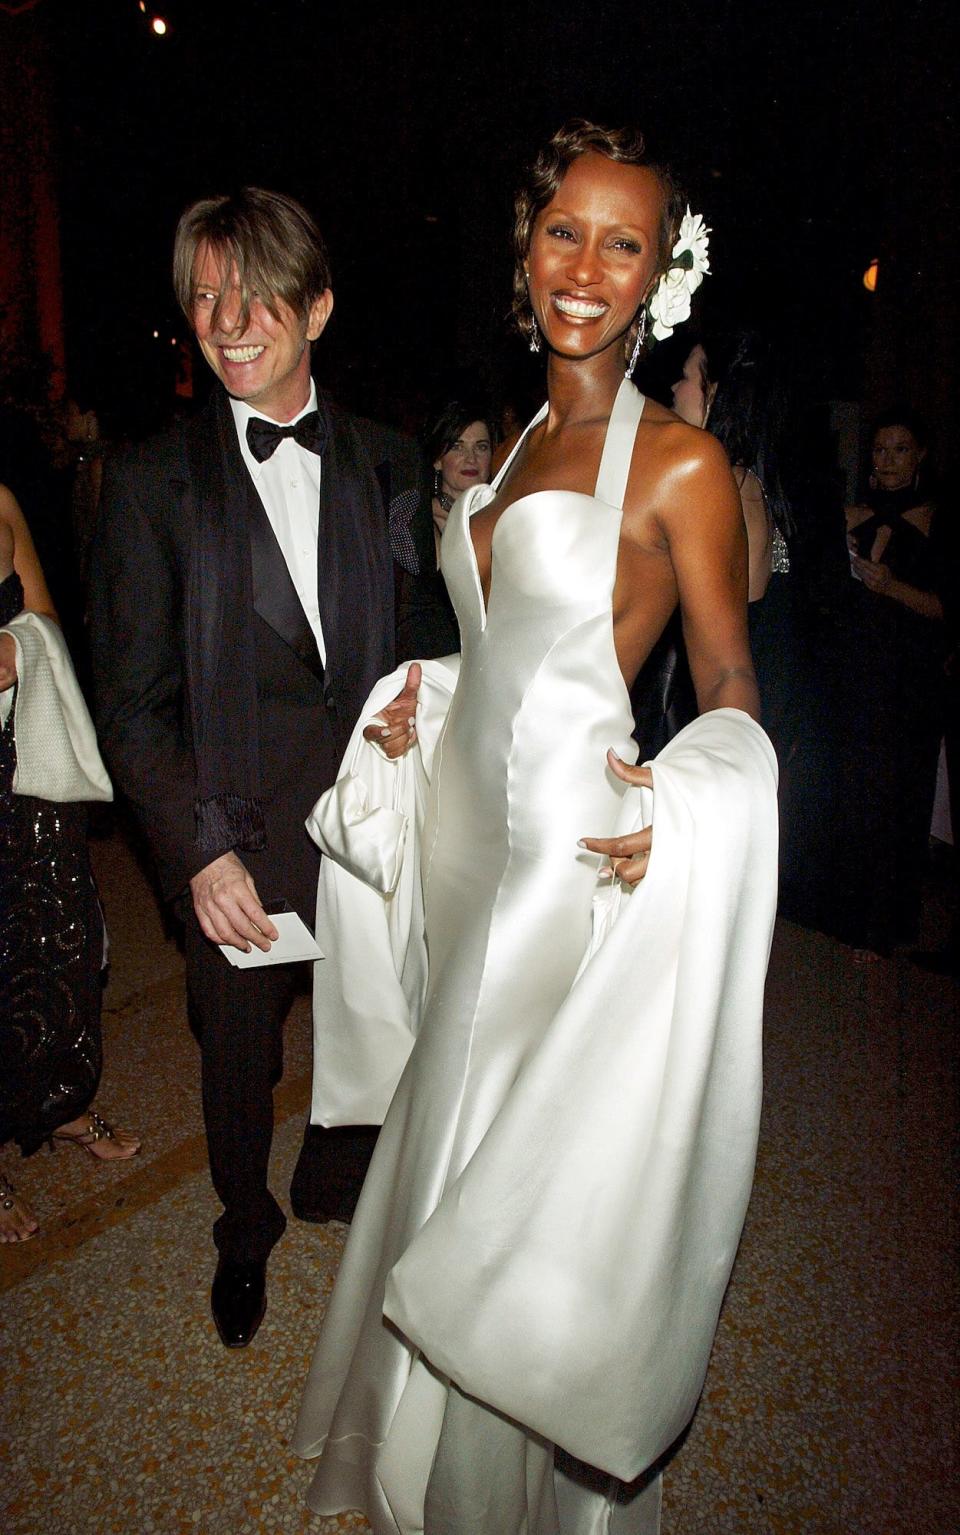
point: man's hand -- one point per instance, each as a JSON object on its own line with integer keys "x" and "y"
{"x": 395, "y": 727}
{"x": 8, "y": 662}
{"x": 228, "y": 908}
{"x": 629, "y": 856}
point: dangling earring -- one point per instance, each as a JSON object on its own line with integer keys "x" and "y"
{"x": 534, "y": 331}
{"x": 437, "y": 482}
{"x": 637, "y": 345}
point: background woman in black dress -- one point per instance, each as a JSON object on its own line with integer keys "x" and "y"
{"x": 457, "y": 448}
{"x": 51, "y": 934}
{"x": 892, "y": 716}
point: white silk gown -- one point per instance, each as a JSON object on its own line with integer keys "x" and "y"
{"x": 519, "y": 775}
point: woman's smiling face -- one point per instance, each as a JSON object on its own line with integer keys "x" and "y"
{"x": 594, "y": 254}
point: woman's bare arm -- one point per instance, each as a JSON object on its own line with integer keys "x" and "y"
{"x": 704, "y": 526}
{"x": 707, "y": 542}
{"x": 36, "y": 594}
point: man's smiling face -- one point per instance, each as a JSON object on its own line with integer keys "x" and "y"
{"x": 265, "y": 361}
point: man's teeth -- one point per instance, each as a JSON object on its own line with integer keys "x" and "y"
{"x": 582, "y": 308}
{"x": 242, "y": 353}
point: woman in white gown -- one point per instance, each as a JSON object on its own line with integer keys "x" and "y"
{"x": 563, "y": 574}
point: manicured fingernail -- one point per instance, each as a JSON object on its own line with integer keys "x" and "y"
{"x": 605, "y": 873}
{"x": 385, "y": 731}
{"x": 581, "y": 843}
{"x": 411, "y": 723}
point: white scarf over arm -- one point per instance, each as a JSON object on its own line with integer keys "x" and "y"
{"x": 368, "y": 991}
{"x": 57, "y": 754}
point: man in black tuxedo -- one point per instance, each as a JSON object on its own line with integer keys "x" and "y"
{"x": 242, "y": 608}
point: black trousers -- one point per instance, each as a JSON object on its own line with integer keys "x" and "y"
{"x": 237, "y": 1017}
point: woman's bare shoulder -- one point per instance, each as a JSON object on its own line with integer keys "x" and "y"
{"x": 680, "y": 479}
{"x": 673, "y": 444}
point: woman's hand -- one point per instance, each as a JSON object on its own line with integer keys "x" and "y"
{"x": 880, "y": 579}
{"x": 876, "y": 578}
{"x": 395, "y": 728}
{"x": 8, "y": 662}
{"x": 629, "y": 856}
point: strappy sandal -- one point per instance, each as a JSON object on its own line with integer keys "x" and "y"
{"x": 97, "y": 1131}
{"x": 14, "y": 1215}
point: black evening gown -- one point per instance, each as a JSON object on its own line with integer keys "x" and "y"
{"x": 890, "y": 725}
{"x": 51, "y": 952}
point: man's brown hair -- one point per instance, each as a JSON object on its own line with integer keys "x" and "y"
{"x": 278, "y": 251}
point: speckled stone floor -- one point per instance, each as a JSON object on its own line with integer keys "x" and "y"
{"x": 831, "y": 1402}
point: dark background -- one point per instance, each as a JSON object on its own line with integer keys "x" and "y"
{"x": 813, "y": 139}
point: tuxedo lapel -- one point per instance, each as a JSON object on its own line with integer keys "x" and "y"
{"x": 234, "y": 496}
{"x": 275, "y": 597}
{"x": 354, "y": 573}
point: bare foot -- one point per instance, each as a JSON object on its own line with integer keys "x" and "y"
{"x": 104, "y": 1141}
{"x": 17, "y": 1223}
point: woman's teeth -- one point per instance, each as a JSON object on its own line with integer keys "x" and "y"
{"x": 581, "y": 308}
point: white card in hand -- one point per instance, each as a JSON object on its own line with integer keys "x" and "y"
{"x": 294, "y": 943}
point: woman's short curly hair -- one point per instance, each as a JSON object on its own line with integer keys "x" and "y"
{"x": 575, "y": 138}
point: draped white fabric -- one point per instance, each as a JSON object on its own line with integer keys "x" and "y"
{"x": 368, "y": 991}
{"x": 57, "y": 754}
{"x": 582, "y": 1254}
{"x": 558, "y": 1188}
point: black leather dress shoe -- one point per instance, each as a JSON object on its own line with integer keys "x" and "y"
{"x": 238, "y": 1300}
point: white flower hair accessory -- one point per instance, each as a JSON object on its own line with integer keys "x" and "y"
{"x": 669, "y": 303}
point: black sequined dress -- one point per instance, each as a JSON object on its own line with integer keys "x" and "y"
{"x": 51, "y": 952}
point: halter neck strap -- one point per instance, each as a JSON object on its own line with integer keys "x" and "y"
{"x": 617, "y": 447}
{"x": 505, "y": 466}
{"x": 617, "y": 455}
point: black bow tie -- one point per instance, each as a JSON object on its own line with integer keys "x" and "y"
{"x": 265, "y": 437}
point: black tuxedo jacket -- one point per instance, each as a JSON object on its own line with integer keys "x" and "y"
{"x": 155, "y": 646}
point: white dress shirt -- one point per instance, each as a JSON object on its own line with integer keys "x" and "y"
{"x": 288, "y": 484}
